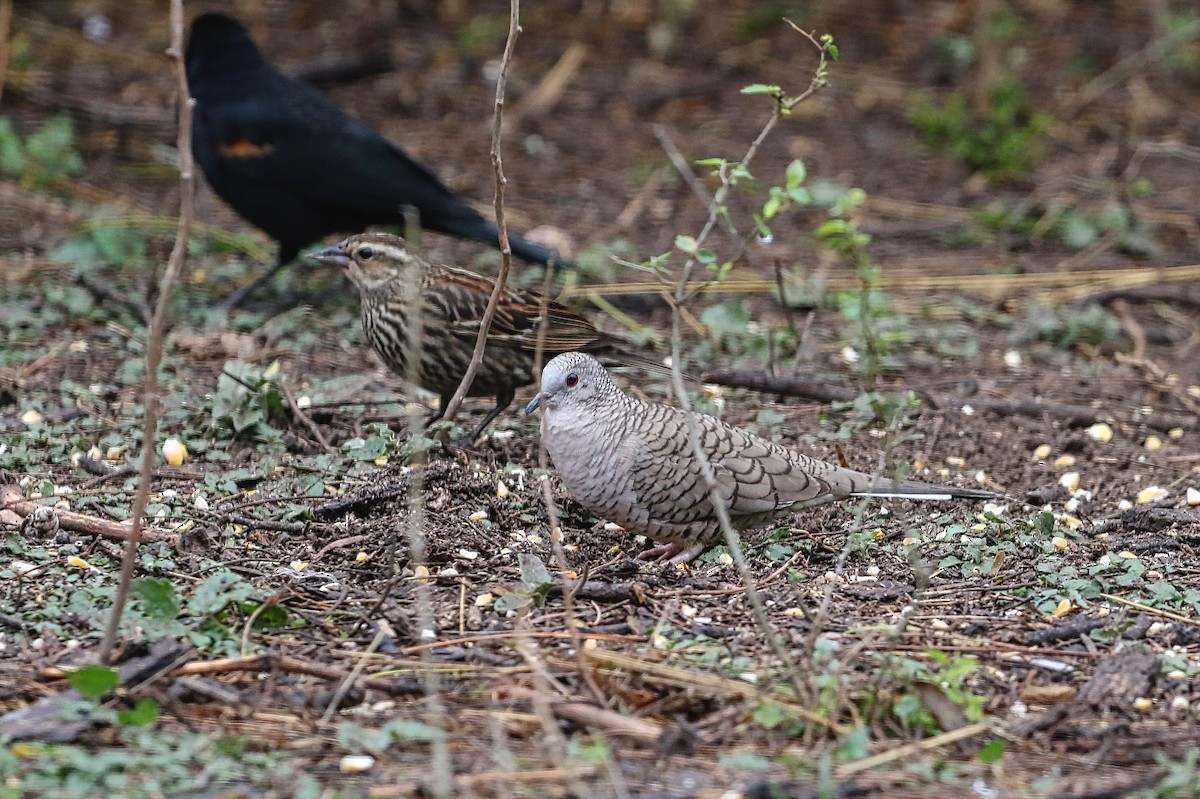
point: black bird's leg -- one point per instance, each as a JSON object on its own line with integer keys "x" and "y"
{"x": 235, "y": 299}
{"x": 443, "y": 401}
{"x": 503, "y": 400}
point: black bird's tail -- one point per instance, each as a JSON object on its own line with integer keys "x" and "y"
{"x": 532, "y": 251}
{"x": 476, "y": 228}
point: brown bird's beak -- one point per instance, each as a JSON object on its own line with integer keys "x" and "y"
{"x": 533, "y": 404}
{"x": 331, "y": 256}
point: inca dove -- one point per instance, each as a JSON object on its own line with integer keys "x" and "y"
{"x": 396, "y": 283}
{"x": 632, "y": 463}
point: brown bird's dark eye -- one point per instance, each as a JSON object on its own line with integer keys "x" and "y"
{"x": 366, "y": 253}
{"x": 572, "y": 380}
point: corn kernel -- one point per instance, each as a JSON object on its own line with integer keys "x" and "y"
{"x": 174, "y": 452}
{"x": 1151, "y": 494}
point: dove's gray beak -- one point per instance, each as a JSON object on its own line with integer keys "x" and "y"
{"x": 533, "y": 404}
{"x": 332, "y": 256}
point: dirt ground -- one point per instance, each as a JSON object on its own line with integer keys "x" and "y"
{"x": 1044, "y": 645}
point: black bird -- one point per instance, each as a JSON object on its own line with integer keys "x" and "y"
{"x": 291, "y": 163}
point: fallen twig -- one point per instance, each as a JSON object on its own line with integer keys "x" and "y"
{"x": 709, "y": 683}
{"x": 1077, "y": 415}
{"x": 539, "y": 101}
{"x": 357, "y": 502}
{"x": 338, "y": 544}
{"x": 790, "y": 386}
{"x": 589, "y": 715}
{"x": 601, "y": 591}
{"x": 902, "y": 752}
{"x": 272, "y": 662}
{"x": 304, "y": 419}
{"x": 47, "y": 719}
{"x": 12, "y": 499}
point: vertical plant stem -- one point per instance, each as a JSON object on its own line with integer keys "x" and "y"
{"x": 6, "y": 8}
{"x": 157, "y": 331}
{"x": 489, "y": 313}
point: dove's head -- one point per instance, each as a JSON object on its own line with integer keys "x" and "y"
{"x": 372, "y": 260}
{"x": 573, "y": 379}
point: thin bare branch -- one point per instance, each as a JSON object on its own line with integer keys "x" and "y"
{"x": 489, "y": 313}
{"x": 158, "y": 330}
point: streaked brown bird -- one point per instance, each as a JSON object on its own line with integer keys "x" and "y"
{"x": 399, "y": 286}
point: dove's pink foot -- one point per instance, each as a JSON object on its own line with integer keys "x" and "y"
{"x": 675, "y": 554}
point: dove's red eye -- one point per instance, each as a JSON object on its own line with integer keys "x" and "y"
{"x": 572, "y": 380}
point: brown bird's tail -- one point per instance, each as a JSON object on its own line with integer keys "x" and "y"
{"x": 617, "y": 356}
{"x": 884, "y": 487}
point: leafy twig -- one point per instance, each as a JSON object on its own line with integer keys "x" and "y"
{"x": 682, "y": 295}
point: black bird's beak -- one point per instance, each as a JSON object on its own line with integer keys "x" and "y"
{"x": 533, "y": 404}
{"x": 332, "y": 256}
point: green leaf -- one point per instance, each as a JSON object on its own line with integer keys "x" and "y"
{"x": 1078, "y": 231}
{"x": 407, "y": 730}
{"x": 855, "y": 745}
{"x": 12, "y": 154}
{"x": 800, "y": 196}
{"x": 158, "y": 597}
{"x": 991, "y": 751}
{"x": 906, "y": 707}
{"x": 94, "y": 680}
{"x": 141, "y": 714}
{"x": 534, "y": 573}
{"x": 796, "y": 174}
{"x": 356, "y": 738}
{"x": 217, "y": 591}
{"x": 769, "y": 716}
{"x": 772, "y": 205}
{"x": 743, "y": 761}
{"x": 686, "y": 244}
{"x": 1043, "y": 521}
{"x": 273, "y": 618}
{"x": 762, "y": 88}
{"x": 728, "y": 318}
{"x": 506, "y": 602}
{"x": 119, "y": 244}
{"x": 834, "y": 227}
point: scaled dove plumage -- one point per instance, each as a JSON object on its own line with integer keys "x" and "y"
{"x": 632, "y": 463}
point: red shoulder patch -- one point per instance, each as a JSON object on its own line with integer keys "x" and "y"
{"x": 242, "y": 148}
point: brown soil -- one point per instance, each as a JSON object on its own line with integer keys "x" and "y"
{"x": 1084, "y": 700}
